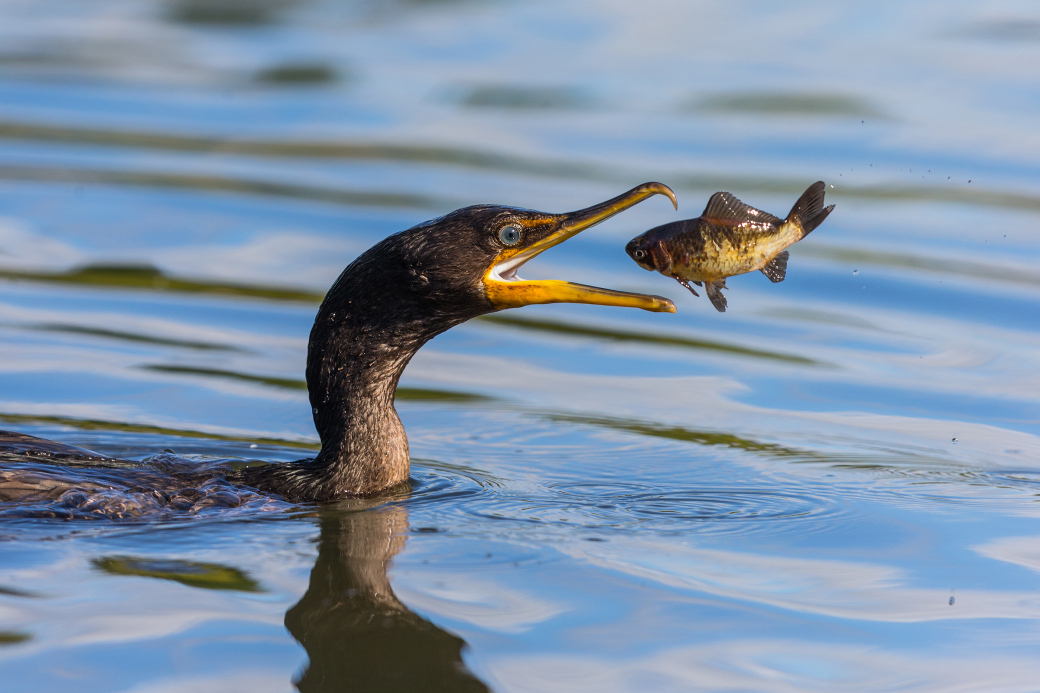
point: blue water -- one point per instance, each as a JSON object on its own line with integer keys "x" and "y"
{"x": 833, "y": 486}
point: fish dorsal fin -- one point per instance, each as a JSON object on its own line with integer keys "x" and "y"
{"x": 776, "y": 269}
{"x": 725, "y": 207}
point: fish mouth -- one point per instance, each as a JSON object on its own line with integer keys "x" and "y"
{"x": 506, "y": 290}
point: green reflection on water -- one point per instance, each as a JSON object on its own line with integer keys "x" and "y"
{"x": 227, "y": 12}
{"x": 286, "y": 383}
{"x": 783, "y": 103}
{"x": 99, "y": 425}
{"x": 627, "y": 336}
{"x": 146, "y": 277}
{"x": 133, "y": 337}
{"x": 421, "y": 394}
{"x": 523, "y": 98}
{"x": 13, "y": 638}
{"x": 225, "y": 184}
{"x": 1004, "y": 31}
{"x": 298, "y": 74}
{"x": 211, "y": 576}
{"x": 709, "y": 438}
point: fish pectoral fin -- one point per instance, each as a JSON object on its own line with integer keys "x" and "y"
{"x": 687, "y": 285}
{"x": 714, "y": 291}
{"x": 776, "y": 269}
{"x": 722, "y": 206}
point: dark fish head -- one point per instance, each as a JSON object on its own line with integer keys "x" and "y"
{"x": 648, "y": 253}
{"x": 637, "y": 252}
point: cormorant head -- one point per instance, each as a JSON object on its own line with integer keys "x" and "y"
{"x": 464, "y": 264}
{"x": 509, "y": 237}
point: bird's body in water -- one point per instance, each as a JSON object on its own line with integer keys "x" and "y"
{"x": 729, "y": 238}
{"x": 391, "y": 300}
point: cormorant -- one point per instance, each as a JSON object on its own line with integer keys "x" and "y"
{"x": 392, "y": 299}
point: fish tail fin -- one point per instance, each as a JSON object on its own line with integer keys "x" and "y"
{"x": 809, "y": 211}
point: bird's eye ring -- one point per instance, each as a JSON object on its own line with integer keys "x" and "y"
{"x": 640, "y": 254}
{"x": 509, "y": 235}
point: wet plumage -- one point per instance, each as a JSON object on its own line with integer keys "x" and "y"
{"x": 729, "y": 238}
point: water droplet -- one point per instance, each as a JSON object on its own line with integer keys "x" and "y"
{"x": 954, "y": 440}
{"x": 855, "y": 271}
{"x": 969, "y": 180}
{"x": 252, "y": 445}
{"x": 952, "y": 600}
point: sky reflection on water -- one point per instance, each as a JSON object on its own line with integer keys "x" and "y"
{"x": 833, "y": 486}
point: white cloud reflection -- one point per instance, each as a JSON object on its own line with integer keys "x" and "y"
{"x": 852, "y": 590}
{"x": 482, "y": 603}
{"x": 769, "y": 666}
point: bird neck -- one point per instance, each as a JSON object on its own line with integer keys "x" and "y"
{"x": 372, "y": 321}
{"x": 352, "y": 373}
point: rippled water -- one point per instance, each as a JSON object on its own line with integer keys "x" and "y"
{"x": 832, "y": 486}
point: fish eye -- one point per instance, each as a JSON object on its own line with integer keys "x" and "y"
{"x": 639, "y": 254}
{"x": 509, "y": 235}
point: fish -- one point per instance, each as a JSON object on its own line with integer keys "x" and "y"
{"x": 728, "y": 239}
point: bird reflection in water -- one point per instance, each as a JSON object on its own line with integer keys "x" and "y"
{"x": 357, "y": 633}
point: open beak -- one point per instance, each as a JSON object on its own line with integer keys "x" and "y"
{"x": 506, "y": 290}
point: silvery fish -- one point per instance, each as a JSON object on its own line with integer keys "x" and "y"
{"x": 729, "y": 238}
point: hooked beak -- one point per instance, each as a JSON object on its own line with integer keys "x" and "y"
{"x": 506, "y": 290}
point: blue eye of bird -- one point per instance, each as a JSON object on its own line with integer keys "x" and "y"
{"x": 509, "y": 235}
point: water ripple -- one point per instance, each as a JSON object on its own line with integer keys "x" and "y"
{"x": 614, "y": 505}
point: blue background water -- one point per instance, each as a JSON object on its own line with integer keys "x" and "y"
{"x": 833, "y": 486}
